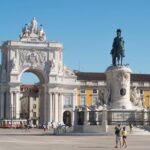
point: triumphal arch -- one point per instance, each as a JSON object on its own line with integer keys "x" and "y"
{"x": 32, "y": 53}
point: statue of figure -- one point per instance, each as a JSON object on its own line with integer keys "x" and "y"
{"x": 53, "y": 63}
{"x": 25, "y": 31}
{"x": 34, "y": 27}
{"x": 14, "y": 63}
{"x": 101, "y": 96}
{"x": 135, "y": 97}
{"x": 107, "y": 95}
{"x": 42, "y": 34}
{"x": 47, "y": 66}
{"x": 117, "y": 51}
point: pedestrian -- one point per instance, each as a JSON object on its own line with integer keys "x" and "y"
{"x": 118, "y": 135}
{"x": 44, "y": 127}
{"x": 131, "y": 127}
{"x": 124, "y": 137}
{"x": 54, "y": 126}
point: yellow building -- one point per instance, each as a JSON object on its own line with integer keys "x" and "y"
{"x": 146, "y": 100}
{"x": 92, "y": 86}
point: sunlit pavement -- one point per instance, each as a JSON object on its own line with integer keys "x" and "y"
{"x": 25, "y": 131}
{"x": 52, "y": 142}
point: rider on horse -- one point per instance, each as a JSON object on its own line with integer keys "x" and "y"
{"x": 117, "y": 48}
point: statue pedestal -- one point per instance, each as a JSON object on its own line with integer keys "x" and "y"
{"x": 118, "y": 82}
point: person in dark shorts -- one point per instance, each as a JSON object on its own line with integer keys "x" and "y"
{"x": 124, "y": 137}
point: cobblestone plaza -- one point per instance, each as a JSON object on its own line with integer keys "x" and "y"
{"x": 70, "y": 142}
{"x": 35, "y": 139}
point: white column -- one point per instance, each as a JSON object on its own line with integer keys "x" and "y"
{"x": 73, "y": 103}
{"x": 74, "y": 100}
{"x": 7, "y": 105}
{"x": 45, "y": 105}
{"x": 75, "y": 116}
{"x": 2, "y": 105}
{"x": 18, "y": 105}
{"x": 42, "y": 101}
{"x": 50, "y": 107}
{"x": 85, "y": 116}
{"x": 56, "y": 107}
{"x": 61, "y": 105}
{"x": 53, "y": 107}
{"x": 97, "y": 117}
{"x": 104, "y": 120}
{"x": 11, "y": 105}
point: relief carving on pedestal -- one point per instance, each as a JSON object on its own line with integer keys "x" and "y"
{"x": 122, "y": 78}
{"x": 135, "y": 97}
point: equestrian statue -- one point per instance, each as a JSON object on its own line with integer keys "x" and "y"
{"x": 117, "y": 51}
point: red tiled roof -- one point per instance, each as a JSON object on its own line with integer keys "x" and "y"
{"x": 27, "y": 86}
{"x": 140, "y": 77}
{"x": 94, "y": 76}
{"x": 90, "y": 76}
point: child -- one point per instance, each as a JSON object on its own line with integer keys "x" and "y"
{"x": 124, "y": 136}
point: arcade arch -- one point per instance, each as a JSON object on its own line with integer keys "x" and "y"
{"x": 32, "y": 84}
{"x": 29, "y": 78}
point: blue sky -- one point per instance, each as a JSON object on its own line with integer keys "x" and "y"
{"x": 86, "y": 28}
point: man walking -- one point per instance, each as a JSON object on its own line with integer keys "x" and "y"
{"x": 118, "y": 135}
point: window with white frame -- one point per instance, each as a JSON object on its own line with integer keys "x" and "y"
{"x": 141, "y": 83}
{"x": 94, "y": 91}
{"x": 34, "y": 106}
{"x": 34, "y": 114}
{"x": 82, "y": 100}
{"x": 82, "y": 91}
{"x": 68, "y": 100}
{"x": 94, "y": 100}
{"x": 141, "y": 92}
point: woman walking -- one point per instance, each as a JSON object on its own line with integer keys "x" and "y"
{"x": 124, "y": 137}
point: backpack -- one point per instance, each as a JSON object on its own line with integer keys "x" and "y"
{"x": 117, "y": 132}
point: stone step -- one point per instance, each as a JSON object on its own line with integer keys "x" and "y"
{"x": 140, "y": 130}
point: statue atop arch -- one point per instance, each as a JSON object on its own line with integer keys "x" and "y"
{"x": 32, "y": 32}
{"x": 42, "y": 35}
{"x": 117, "y": 51}
{"x": 34, "y": 27}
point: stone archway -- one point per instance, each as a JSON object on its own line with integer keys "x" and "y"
{"x": 67, "y": 118}
{"x": 33, "y": 53}
{"x": 80, "y": 116}
{"x": 36, "y": 94}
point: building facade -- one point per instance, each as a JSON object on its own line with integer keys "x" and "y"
{"x": 92, "y": 83}
{"x": 29, "y": 101}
